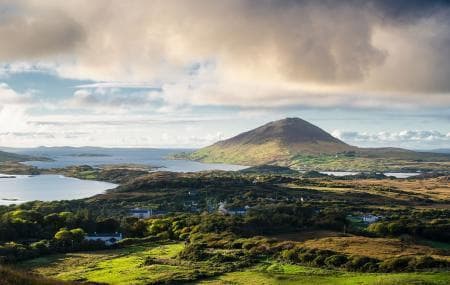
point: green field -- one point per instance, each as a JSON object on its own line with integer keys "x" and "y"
{"x": 275, "y": 273}
{"x": 122, "y": 266}
{"x": 128, "y": 266}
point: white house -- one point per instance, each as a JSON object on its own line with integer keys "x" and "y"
{"x": 141, "y": 213}
{"x": 232, "y": 211}
{"x": 108, "y": 239}
{"x": 369, "y": 218}
{"x": 145, "y": 213}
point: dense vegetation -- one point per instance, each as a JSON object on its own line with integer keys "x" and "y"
{"x": 209, "y": 244}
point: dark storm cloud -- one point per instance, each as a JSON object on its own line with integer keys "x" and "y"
{"x": 36, "y": 33}
{"x": 320, "y": 52}
{"x": 411, "y": 10}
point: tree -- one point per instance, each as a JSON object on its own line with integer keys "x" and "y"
{"x": 63, "y": 235}
{"x": 378, "y": 228}
{"x": 77, "y": 235}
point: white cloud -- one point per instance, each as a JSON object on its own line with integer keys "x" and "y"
{"x": 111, "y": 99}
{"x": 407, "y": 138}
{"x": 13, "y": 108}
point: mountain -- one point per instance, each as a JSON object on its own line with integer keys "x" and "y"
{"x": 294, "y": 142}
{"x": 273, "y": 143}
{"x": 440, "y": 150}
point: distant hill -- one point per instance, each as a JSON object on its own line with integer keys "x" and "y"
{"x": 14, "y": 157}
{"x": 440, "y": 150}
{"x": 269, "y": 169}
{"x": 297, "y": 143}
{"x": 273, "y": 143}
{"x": 7, "y": 156}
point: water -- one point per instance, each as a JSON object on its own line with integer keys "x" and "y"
{"x": 25, "y": 188}
{"x": 54, "y": 187}
{"x": 401, "y": 174}
{"x": 97, "y": 156}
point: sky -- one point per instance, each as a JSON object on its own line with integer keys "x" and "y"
{"x": 179, "y": 74}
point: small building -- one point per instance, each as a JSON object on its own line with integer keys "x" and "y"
{"x": 146, "y": 213}
{"x": 141, "y": 213}
{"x": 369, "y": 218}
{"x": 107, "y": 238}
{"x": 238, "y": 211}
{"x": 232, "y": 211}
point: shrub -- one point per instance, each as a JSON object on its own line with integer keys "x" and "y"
{"x": 194, "y": 252}
{"x": 319, "y": 260}
{"x": 306, "y": 257}
{"x": 336, "y": 260}
{"x": 290, "y": 255}
{"x": 358, "y": 263}
{"x": 163, "y": 235}
{"x": 396, "y": 264}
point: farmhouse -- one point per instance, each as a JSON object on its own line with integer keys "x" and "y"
{"x": 107, "y": 238}
{"x": 369, "y": 218}
{"x": 232, "y": 211}
{"x": 146, "y": 213}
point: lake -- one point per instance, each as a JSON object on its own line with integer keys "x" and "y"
{"x": 25, "y": 188}
{"x": 55, "y": 187}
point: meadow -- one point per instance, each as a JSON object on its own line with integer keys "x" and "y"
{"x": 273, "y": 273}
{"x": 128, "y": 267}
{"x": 120, "y": 266}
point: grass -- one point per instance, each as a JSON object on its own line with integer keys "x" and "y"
{"x": 380, "y": 248}
{"x": 122, "y": 266}
{"x": 128, "y": 266}
{"x": 433, "y": 192}
{"x": 14, "y": 277}
{"x": 286, "y": 274}
{"x": 436, "y": 244}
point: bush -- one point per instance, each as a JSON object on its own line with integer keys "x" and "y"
{"x": 336, "y": 260}
{"x": 361, "y": 263}
{"x": 396, "y": 264}
{"x": 319, "y": 260}
{"x": 306, "y": 257}
{"x": 423, "y": 262}
{"x": 163, "y": 235}
{"x": 194, "y": 252}
{"x": 290, "y": 255}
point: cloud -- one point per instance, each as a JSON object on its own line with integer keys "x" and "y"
{"x": 274, "y": 53}
{"x": 101, "y": 99}
{"x": 35, "y": 33}
{"x": 13, "y": 108}
{"x": 10, "y": 97}
{"x": 407, "y": 138}
{"x": 128, "y": 85}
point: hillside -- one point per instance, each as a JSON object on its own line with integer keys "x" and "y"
{"x": 297, "y": 143}
{"x": 8, "y": 156}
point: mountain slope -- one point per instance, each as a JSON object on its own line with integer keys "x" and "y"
{"x": 7, "y": 156}
{"x": 273, "y": 143}
{"x": 15, "y": 157}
